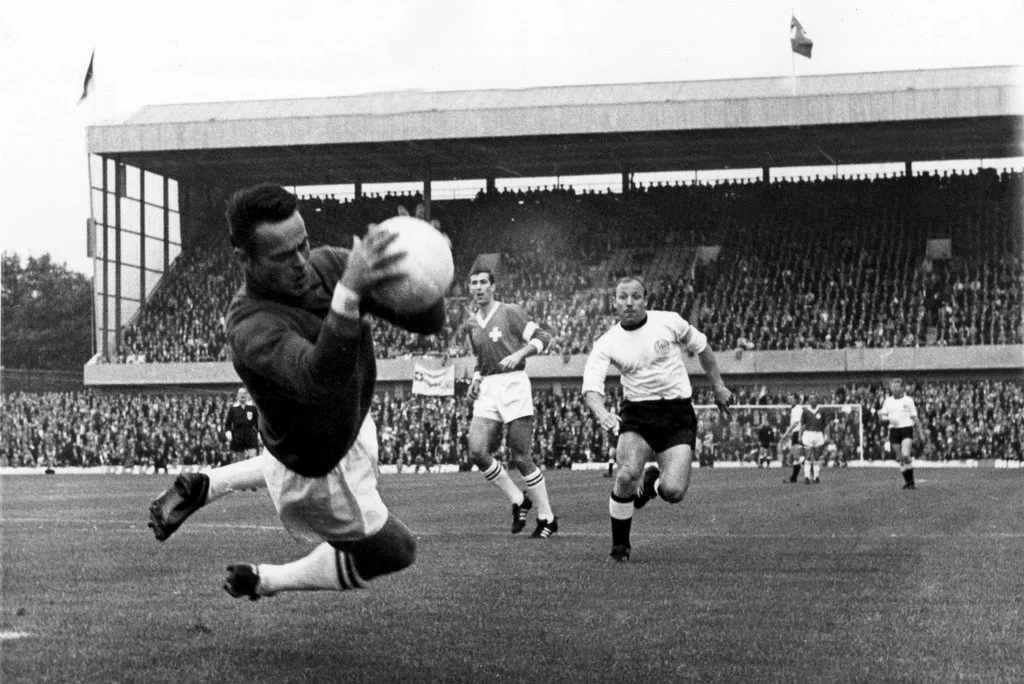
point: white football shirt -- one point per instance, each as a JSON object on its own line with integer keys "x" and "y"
{"x": 650, "y": 358}
{"x": 899, "y": 412}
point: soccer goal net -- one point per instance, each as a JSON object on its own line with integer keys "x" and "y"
{"x": 739, "y": 436}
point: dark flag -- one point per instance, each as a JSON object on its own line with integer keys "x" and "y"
{"x": 87, "y": 84}
{"x": 799, "y": 40}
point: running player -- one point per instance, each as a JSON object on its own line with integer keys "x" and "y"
{"x": 657, "y": 421}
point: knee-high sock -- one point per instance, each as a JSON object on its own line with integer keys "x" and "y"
{"x": 796, "y": 472}
{"x": 247, "y": 474}
{"x": 499, "y": 477}
{"x": 539, "y": 493}
{"x": 807, "y": 469}
{"x": 389, "y": 550}
{"x": 325, "y": 569}
{"x": 621, "y": 510}
{"x": 816, "y": 470}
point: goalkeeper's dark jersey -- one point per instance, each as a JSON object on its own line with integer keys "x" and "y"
{"x": 310, "y": 371}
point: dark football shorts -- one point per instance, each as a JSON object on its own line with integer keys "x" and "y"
{"x": 897, "y": 435}
{"x": 663, "y": 423}
{"x": 244, "y": 439}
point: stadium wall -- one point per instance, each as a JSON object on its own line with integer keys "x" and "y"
{"x": 809, "y": 366}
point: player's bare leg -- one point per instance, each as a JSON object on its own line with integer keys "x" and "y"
{"x": 632, "y": 454}
{"x": 907, "y": 463}
{"x": 191, "y": 491}
{"x": 484, "y": 439}
{"x": 336, "y": 566}
{"x": 520, "y": 440}
{"x": 816, "y": 464}
{"x": 676, "y": 465}
{"x": 796, "y": 459}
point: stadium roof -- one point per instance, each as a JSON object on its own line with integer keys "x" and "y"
{"x": 939, "y": 114}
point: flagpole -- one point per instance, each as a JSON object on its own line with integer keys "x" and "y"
{"x": 792, "y": 54}
{"x": 90, "y": 82}
{"x": 792, "y": 60}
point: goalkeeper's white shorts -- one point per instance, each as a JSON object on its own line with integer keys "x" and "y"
{"x": 343, "y": 505}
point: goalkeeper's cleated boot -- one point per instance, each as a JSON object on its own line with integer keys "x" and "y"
{"x": 545, "y": 528}
{"x": 186, "y": 495}
{"x": 647, "y": 490}
{"x": 519, "y": 512}
{"x": 243, "y": 579}
{"x": 620, "y": 553}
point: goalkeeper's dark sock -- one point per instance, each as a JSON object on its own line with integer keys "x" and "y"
{"x": 910, "y": 476}
{"x": 906, "y": 476}
{"x": 796, "y": 473}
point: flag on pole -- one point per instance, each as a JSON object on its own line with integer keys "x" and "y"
{"x": 798, "y": 38}
{"x": 87, "y": 85}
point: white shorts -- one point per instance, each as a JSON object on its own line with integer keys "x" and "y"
{"x": 504, "y": 397}
{"x": 813, "y": 439}
{"x": 343, "y": 505}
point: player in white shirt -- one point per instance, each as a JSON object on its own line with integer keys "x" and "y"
{"x": 657, "y": 421}
{"x": 899, "y": 411}
{"x": 795, "y": 446}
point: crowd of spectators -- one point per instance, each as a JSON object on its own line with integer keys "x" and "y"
{"x": 965, "y": 420}
{"x": 102, "y": 429}
{"x": 823, "y": 263}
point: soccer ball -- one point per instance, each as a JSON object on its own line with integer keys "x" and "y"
{"x": 427, "y": 267}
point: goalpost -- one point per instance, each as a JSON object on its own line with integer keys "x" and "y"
{"x": 735, "y": 438}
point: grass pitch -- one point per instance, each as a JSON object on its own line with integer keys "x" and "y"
{"x": 750, "y": 579}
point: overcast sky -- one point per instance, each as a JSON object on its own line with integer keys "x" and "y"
{"x": 192, "y": 51}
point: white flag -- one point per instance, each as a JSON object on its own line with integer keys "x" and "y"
{"x": 433, "y": 382}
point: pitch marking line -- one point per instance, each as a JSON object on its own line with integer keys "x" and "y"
{"x": 7, "y": 634}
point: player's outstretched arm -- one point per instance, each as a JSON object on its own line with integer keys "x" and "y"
{"x": 723, "y": 396}
{"x": 605, "y": 418}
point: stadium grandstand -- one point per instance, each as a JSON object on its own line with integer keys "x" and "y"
{"x": 825, "y": 236}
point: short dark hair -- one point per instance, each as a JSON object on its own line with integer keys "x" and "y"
{"x": 483, "y": 269}
{"x": 632, "y": 279}
{"x": 249, "y": 207}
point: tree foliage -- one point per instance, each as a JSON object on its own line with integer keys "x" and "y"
{"x": 47, "y": 315}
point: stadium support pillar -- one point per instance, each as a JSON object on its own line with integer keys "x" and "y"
{"x": 908, "y": 168}
{"x": 766, "y": 175}
{"x": 427, "y": 185}
{"x": 142, "y": 239}
{"x": 625, "y": 182}
{"x": 490, "y": 185}
{"x": 357, "y": 190}
{"x": 105, "y": 314}
{"x": 166, "y": 238}
{"x": 119, "y": 182}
